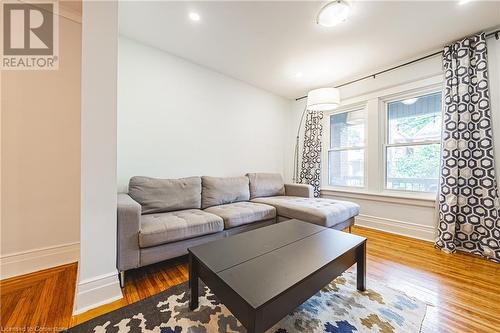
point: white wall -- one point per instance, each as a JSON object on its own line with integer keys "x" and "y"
{"x": 40, "y": 157}
{"x": 407, "y": 215}
{"x": 98, "y": 280}
{"x": 178, "y": 119}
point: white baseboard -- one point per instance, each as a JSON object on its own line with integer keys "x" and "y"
{"x": 418, "y": 231}
{"x": 97, "y": 291}
{"x": 20, "y": 263}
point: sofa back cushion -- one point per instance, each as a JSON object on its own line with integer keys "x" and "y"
{"x": 266, "y": 185}
{"x": 223, "y": 190}
{"x": 165, "y": 195}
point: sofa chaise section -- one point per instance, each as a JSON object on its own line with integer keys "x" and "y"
{"x": 295, "y": 201}
{"x": 325, "y": 212}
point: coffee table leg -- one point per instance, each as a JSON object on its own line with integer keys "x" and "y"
{"x": 193, "y": 282}
{"x": 361, "y": 266}
{"x": 254, "y": 326}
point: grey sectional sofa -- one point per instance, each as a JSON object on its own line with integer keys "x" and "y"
{"x": 160, "y": 218}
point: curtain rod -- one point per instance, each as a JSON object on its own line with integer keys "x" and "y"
{"x": 491, "y": 34}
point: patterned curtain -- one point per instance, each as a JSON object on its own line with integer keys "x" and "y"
{"x": 468, "y": 201}
{"x": 310, "y": 170}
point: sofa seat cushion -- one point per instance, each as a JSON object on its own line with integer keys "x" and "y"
{"x": 324, "y": 212}
{"x": 240, "y": 213}
{"x": 171, "y": 227}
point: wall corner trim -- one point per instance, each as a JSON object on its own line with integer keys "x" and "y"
{"x": 30, "y": 261}
{"x": 98, "y": 278}
{"x": 102, "y": 289}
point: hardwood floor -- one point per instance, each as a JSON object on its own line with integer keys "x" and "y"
{"x": 141, "y": 283}
{"x": 42, "y": 300}
{"x": 463, "y": 292}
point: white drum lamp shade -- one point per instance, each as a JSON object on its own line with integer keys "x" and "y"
{"x": 323, "y": 99}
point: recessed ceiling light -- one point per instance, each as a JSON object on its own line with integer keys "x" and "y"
{"x": 298, "y": 75}
{"x": 333, "y": 13}
{"x": 410, "y": 101}
{"x": 194, "y": 16}
{"x": 463, "y": 2}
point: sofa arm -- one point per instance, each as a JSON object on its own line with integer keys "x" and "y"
{"x": 299, "y": 190}
{"x": 129, "y": 223}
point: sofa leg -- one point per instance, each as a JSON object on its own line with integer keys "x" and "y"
{"x": 349, "y": 229}
{"x": 122, "y": 279}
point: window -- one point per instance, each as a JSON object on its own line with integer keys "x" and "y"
{"x": 412, "y": 146}
{"x": 346, "y": 153}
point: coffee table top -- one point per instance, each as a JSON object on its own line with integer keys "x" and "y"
{"x": 261, "y": 264}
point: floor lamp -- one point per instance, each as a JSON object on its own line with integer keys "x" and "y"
{"x": 322, "y": 99}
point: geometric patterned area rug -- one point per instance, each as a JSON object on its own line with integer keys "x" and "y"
{"x": 338, "y": 308}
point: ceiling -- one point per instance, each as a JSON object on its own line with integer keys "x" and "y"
{"x": 267, "y": 43}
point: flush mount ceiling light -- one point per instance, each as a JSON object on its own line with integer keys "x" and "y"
{"x": 194, "y": 16}
{"x": 333, "y": 13}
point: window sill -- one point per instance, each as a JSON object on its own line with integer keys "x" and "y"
{"x": 418, "y": 199}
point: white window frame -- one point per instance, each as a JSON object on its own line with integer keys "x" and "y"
{"x": 384, "y": 128}
{"x": 372, "y": 101}
{"x": 326, "y": 159}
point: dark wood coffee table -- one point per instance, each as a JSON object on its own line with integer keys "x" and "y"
{"x": 262, "y": 275}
